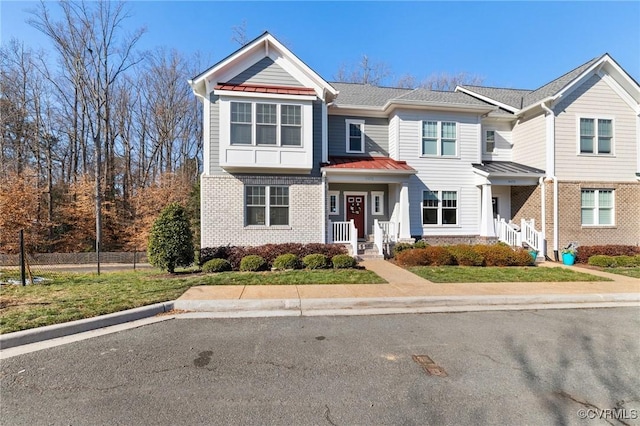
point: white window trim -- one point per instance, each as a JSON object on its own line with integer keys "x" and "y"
{"x": 596, "y": 208}
{"x": 439, "y": 140}
{"x": 438, "y": 193}
{"x": 348, "y": 123}
{"x": 595, "y": 119}
{"x": 484, "y": 141}
{"x": 337, "y": 195}
{"x": 267, "y": 213}
{"x": 375, "y": 194}
{"x": 254, "y": 123}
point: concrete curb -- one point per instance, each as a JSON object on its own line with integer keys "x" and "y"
{"x": 39, "y": 334}
{"x": 395, "y": 305}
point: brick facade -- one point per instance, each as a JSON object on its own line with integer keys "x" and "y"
{"x": 526, "y": 203}
{"x": 223, "y": 217}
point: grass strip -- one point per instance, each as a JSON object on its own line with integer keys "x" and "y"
{"x": 469, "y": 274}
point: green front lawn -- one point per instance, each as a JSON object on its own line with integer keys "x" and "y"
{"x": 71, "y": 296}
{"x": 470, "y": 274}
{"x": 629, "y": 272}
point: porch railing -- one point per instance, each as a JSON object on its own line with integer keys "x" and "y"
{"x": 384, "y": 232}
{"x": 507, "y": 233}
{"x": 344, "y": 233}
{"x": 390, "y": 231}
{"x": 530, "y": 236}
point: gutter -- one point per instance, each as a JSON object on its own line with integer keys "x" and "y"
{"x": 551, "y": 170}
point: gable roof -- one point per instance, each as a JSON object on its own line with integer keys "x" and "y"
{"x": 518, "y": 100}
{"x": 357, "y": 95}
{"x": 265, "y": 45}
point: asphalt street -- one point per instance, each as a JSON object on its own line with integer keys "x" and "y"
{"x": 525, "y": 367}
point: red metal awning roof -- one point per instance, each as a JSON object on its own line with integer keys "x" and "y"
{"x": 278, "y": 90}
{"x": 368, "y": 163}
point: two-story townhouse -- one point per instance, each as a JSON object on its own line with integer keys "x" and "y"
{"x": 583, "y": 130}
{"x": 289, "y": 157}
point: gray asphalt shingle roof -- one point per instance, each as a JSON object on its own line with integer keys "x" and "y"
{"x": 368, "y": 95}
{"x": 519, "y": 98}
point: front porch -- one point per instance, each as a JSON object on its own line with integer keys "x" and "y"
{"x": 367, "y": 203}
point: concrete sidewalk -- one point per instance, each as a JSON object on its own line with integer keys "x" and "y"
{"x": 406, "y": 292}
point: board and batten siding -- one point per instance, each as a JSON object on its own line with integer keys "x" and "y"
{"x": 595, "y": 99}
{"x": 502, "y": 151}
{"x": 376, "y": 135}
{"x": 530, "y": 142}
{"x": 214, "y": 136}
{"x": 265, "y": 72}
{"x": 441, "y": 173}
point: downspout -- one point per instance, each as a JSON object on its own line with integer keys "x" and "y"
{"x": 551, "y": 173}
{"x": 324, "y": 207}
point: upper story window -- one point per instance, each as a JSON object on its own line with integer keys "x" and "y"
{"x": 440, "y": 208}
{"x": 489, "y": 141}
{"x": 596, "y": 136}
{"x": 597, "y": 207}
{"x": 254, "y": 123}
{"x": 439, "y": 138}
{"x": 355, "y": 136}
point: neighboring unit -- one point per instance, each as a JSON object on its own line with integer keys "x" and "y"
{"x": 289, "y": 157}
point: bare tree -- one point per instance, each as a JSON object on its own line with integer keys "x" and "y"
{"x": 447, "y": 82}
{"x": 364, "y": 72}
{"x": 239, "y": 33}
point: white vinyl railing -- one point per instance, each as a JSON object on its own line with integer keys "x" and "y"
{"x": 530, "y": 236}
{"x": 507, "y": 233}
{"x": 390, "y": 231}
{"x": 516, "y": 237}
{"x": 344, "y": 233}
{"x": 378, "y": 236}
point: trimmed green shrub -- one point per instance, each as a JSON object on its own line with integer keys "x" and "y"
{"x": 627, "y": 261}
{"x": 343, "y": 261}
{"x": 252, "y": 263}
{"x": 465, "y": 255}
{"x": 216, "y": 265}
{"x": 315, "y": 261}
{"x": 602, "y": 261}
{"x": 170, "y": 240}
{"x": 400, "y": 247}
{"x": 420, "y": 244}
{"x": 286, "y": 261}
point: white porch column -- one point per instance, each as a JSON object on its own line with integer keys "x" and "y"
{"x": 405, "y": 222}
{"x": 487, "y": 228}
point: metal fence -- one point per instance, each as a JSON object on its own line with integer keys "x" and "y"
{"x": 38, "y": 265}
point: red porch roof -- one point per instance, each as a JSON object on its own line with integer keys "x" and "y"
{"x": 278, "y": 90}
{"x": 369, "y": 163}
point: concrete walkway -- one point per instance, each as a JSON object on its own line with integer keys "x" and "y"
{"x": 402, "y": 283}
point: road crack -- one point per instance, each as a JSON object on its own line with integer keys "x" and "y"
{"x": 327, "y": 415}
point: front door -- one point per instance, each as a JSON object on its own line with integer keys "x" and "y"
{"x": 356, "y": 211}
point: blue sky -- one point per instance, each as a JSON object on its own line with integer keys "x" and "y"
{"x": 510, "y": 44}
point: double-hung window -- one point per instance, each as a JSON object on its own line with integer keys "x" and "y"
{"x": 355, "y": 136}
{"x": 257, "y": 123}
{"x": 440, "y": 208}
{"x": 597, "y": 207}
{"x": 596, "y": 136}
{"x": 267, "y": 205}
{"x": 489, "y": 141}
{"x": 439, "y": 138}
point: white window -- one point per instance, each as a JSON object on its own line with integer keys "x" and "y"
{"x": 334, "y": 206}
{"x": 596, "y": 136}
{"x": 377, "y": 203}
{"x": 439, "y": 138}
{"x": 255, "y": 123}
{"x": 489, "y": 141}
{"x": 355, "y": 135}
{"x": 440, "y": 208}
{"x": 267, "y": 205}
{"x": 597, "y": 207}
